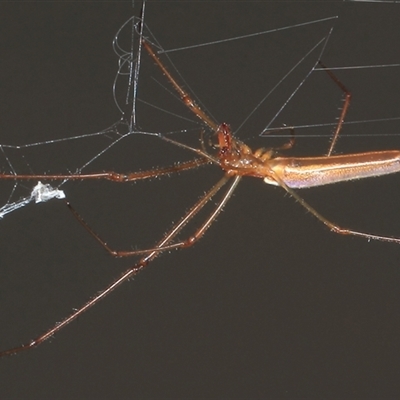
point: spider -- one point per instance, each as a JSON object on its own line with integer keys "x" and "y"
{"x": 236, "y": 161}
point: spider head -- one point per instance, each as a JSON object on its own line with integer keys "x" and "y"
{"x": 228, "y": 147}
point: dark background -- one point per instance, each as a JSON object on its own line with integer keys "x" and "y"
{"x": 269, "y": 304}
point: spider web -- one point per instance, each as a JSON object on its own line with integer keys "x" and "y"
{"x": 134, "y": 98}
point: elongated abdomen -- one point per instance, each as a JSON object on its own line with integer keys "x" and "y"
{"x": 306, "y": 172}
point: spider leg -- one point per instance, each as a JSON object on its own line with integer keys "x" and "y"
{"x": 161, "y": 246}
{"x": 184, "y": 243}
{"x": 346, "y": 104}
{"x": 115, "y": 176}
{"x": 201, "y": 152}
{"x": 185, "y": 97}
{"x": 331, "y": 225}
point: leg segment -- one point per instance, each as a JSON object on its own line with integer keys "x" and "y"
{"x": 185, "y": 243}
{"x": 186, "y": 99}
{"x": 347, "y": 99}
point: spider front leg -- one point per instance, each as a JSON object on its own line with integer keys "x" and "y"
{"x": 185, "y": 97}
